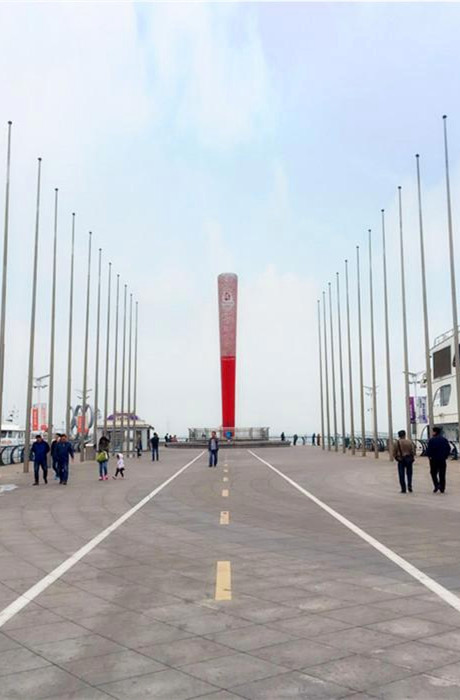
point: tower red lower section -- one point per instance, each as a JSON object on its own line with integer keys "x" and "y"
{"x": 228, "y": 377}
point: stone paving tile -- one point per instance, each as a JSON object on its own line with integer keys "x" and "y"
{"x": 98, "y": 670}
{"x": 299, "y": 653}
{"x": 320, "y": 603}
{"x": 359, "y": 639}
{"x": 84, "y": 694}
{"x": 443, "y": 614}
{"x": 250, "y": 638}
{"x": 416, "y": 605}
{"x": 39, "y": 634}
{"x": 450, "y": 672}
{"x": 185, "y": 651}
{"x": 207, "y": 623}
{"x": 39, "y": 683}
{"x": 68, "y": 650}
{"x": 227, "y": 671}
{"x": 291, "y": 685}
{"x": 177, "y": 611}
{"x": 409, "y": 627}
{"x": 7, "y": 643}
{"x": 421, "y": 687}
{"x": 17, "y": 660}
{"x": 221, "y": 695}
{"x": 448, "y": 640}
{"x": 31, "y": 616}
{"x": 361, "y": 614}
{"x": 167, "y": 685}
{"x": 309, "y": 625}
{"x": 416, "y": 656}
{"x": 358, "y": 672}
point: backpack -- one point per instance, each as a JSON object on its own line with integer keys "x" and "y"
{"x": 102, "y": 456}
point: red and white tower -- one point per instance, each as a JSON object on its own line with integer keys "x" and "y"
{"x": 227, "y": 284}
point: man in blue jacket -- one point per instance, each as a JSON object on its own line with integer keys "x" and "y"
{"x": 437, "y": 452}
{"x": 213, "y": 449}
{"x": 39, "y": 450}
{"x": 64, "y": 451}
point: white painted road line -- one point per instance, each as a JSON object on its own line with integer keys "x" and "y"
{"x": 446, "y": 595}
{"x": 23, "y": 600}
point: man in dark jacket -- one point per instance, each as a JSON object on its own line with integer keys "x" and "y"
{"x": 54, "y": 462}
{"x": 154, "y": 444}
{"x": 437, "y": 452}
{"x": 40, "y": 449}
{"x": 64, "y": 451}
{"x": 213, "y": 448}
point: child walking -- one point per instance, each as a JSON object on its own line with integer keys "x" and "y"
{"x": 120, "y": 466}
{"x": 102, "y": 458}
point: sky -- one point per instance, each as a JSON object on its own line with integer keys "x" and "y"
{"x": 200, "y": 138}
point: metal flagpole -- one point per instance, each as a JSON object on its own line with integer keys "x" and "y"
{"x": 403, "y": 293}
{"x": 69, "y": 358}
{"x": 350, "y": 367}
{"x": 429, "y": 385}
{"x": 129, "y": 369}
{"x": 135, "y": 378}
{"x": 326, "y": 370}
{"x": 107, "y": 350}
{"x": 321, "y": 374}
{"x": 334, "y": 398}
{"x": 387, "y": 342}
{"x": 53, "y": 324}
{"x": 342, "y": 397}
{"x": 98, "y": 333}
{"x": 361, "y": 373}
{"x": 452, "y": 268}
{"x": 85, "y": 360}
{"x": 5, "y": 269}
{"x": 123, "y": 376}
{"x": 30, "y": 377}
{"x": 115, "y": 365}
{"x": 374, "y": 384}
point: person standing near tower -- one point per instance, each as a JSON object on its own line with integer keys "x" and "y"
{"x": 213, "y": 448}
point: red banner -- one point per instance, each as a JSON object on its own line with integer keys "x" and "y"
{"x": 35, "y": 418}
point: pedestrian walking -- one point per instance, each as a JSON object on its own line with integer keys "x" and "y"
{"x": 54, "y": 462}
{"x": 102, "y": 459}
{"x": 318, "y": 439}
{"x": 155, "y": 445}
{"x": 139, "y": 446}
{"x": 213, "y": 448}
{"x": 437, "y": 452}
{"x": 120, "y": 466}
{"x": 40, "y": 449}
{"x": 64, "y": 452}
{"x": 283, "y": 437}
{"x": 404, "y": 454}
{"x": 295, "y": 437}
{"x": 313, "y": 439}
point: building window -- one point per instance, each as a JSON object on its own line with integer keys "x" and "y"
{"x": 442, "y": 396}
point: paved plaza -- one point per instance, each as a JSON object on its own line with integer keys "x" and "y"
{"x": 231, "y": 582}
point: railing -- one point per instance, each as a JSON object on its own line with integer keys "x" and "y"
{"x": 14, "y": 454}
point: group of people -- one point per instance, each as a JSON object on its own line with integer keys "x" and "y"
{"x": 437, "y": 451}
{"x": 61, "y": 452}
{"x": 170, "y": 438}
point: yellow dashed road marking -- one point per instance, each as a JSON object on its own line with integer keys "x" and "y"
{"x": 223, "y": 581}
{"x": 224, "y": 517}
{"x": 225, "y": 478}
{"x": 225, "y": 493}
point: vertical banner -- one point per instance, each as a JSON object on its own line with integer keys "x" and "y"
{"x": 43, "y": 417}
{"x": 412, "y": 410}
{"x": 34, "y": 417}
{"x": 227, "y": 284}
{"x": 422, "y": 409}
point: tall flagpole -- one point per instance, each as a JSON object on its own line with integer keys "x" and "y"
{"x": 326, "y": 371}
{"x": 107, "y": 350}
{"x": 69, "y": 356}
{"x": 342, "y": 396}
{"x": 98, "y": 333}
{"x": 135, "y": 379}
{"x": 115, "y": 365}
{"x": 374, "y": 384}
{"x": 350, "y": 366}
{"x": 334, "y": 397}
{"x": 53, "y": 323}
{"x": 5, "y": 269}
{"x": 129, "y": 369}
{"x": 387, "y": 342}
{"x": 404, "y": 319}
{"x": 85, "y": 360}
{"x": 321, "y": 374}
{"x": 123, "y": 376}
{"x": 361, "y": 371}
{"x": 30, "y": 376}
{"x": 452, "y": 270}
{"x": 429, "y": 385}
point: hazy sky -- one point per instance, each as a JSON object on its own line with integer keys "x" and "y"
{"x": 194, "y": 139}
